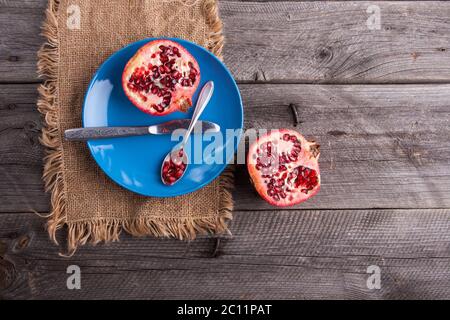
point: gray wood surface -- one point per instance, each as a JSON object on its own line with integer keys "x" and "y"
{"x": 382, "y": 146}
{"x": 284, "y": 254}
{"x": 376, "y": 100}
{"x": 289, "y": 41}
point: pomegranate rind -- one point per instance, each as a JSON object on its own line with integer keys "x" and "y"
{"x": 181, "y": 99}
{"x": 308, "y": 157}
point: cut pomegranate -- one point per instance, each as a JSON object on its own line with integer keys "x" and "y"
{"x": 173, "y": 169}
{"x": 161, "y": 78}
{"x": 284, "y": 168}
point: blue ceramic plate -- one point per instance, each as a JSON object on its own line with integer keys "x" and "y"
{"x": 135, "y": 162}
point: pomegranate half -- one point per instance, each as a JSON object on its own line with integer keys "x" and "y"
{"x": 284, "y": 168}
{"x": 161, "y": 78}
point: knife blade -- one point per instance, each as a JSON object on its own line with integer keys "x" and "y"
{"x": 83, "y": 134}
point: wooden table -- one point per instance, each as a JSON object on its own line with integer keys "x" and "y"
{"x": 378, "y": 101}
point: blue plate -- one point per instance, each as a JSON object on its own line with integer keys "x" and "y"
{"x": 135, "y": 162}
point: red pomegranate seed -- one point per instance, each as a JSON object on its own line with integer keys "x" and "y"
{"x": 176, "y": 75}
{"x": 173, "y": 170}
{"x": 164, "y": 58}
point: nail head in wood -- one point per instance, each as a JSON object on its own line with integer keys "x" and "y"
{"x": 293, "y": 107}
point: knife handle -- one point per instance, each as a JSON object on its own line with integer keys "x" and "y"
{"x": 83, "y": 134}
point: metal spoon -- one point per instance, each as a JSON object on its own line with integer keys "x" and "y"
{"x": 175, "y": 163}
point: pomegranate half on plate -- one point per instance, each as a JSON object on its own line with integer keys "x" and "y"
{"x": 161, "y": 78}
{"x": 284, "y": 168}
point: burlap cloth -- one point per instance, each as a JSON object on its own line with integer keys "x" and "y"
{"x": 83, "y": 198}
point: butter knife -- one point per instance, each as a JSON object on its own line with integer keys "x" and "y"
{"x": 83, "y": 134}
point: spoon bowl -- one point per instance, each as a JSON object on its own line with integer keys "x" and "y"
{"x": 176, "y": 161}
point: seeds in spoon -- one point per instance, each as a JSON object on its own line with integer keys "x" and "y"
{"x": 173, "y": 168}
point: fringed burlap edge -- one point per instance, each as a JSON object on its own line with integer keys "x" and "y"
{"x": 108, "y": 230}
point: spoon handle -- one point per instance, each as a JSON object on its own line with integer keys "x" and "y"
{"x": 202, "y": 102}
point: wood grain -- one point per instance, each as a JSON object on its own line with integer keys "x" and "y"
{"x": 282, "y": 255}
{"x": 305, "y": 42}
{"x": 21, "y": 154}
{"x": 383, "y": 146}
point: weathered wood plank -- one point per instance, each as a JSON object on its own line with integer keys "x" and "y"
{"x": 272, "y": 255}
{"x": 20, "y": 151}
{"x": 383, "y": 146}
{"x": 20, "y": 24}
{"x": 289, "y": 41}
{"x": 318, "y": 42}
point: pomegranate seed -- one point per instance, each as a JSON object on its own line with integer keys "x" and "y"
{"x": 286, "y": 137}
{"x": 172, "y": 179}
{"x": 178, "y": 173}
{"x": 164, "y": 58}
{"x": 186, "y": 83}
{"x": 158, "y": 108}
{"x": 172, "y": 171}
{"x": 176, "y": 75}
{"x": 194, "y": 71}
